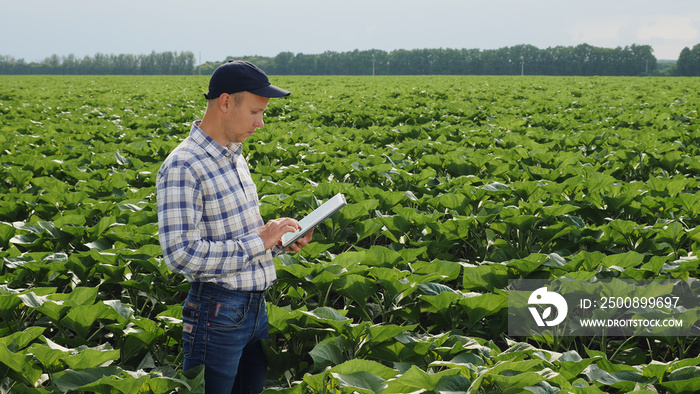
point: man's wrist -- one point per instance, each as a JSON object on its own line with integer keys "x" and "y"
{"x": 254, "y": 245}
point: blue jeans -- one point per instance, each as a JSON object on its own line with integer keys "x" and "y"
{"x": 222, "y": 329}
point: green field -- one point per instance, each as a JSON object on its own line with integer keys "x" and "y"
{"x": 455, "y": 185}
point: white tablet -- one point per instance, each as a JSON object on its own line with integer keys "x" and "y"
{"x": 314, "y": 219}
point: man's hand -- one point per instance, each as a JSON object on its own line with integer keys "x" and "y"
{"x": 272, "y": 231}
{"x": 300, "y": 243}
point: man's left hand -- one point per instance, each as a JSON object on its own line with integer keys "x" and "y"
{"x": 300, "y": 243}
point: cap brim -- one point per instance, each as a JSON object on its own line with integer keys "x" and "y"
{"x": 270, "y": 91}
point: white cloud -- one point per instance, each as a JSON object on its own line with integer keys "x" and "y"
{"x": 670, "y": 28}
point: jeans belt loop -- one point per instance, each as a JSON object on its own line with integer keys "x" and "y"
{"x": 199, "y": 288}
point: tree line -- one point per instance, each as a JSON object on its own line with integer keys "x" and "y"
{"x": 163, "y": 63}
{"x": 583, "y": 59}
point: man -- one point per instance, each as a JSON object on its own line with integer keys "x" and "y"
{"x": 211, "y": 231}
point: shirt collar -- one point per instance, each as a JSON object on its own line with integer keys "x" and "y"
{"x": 212, "y": 147}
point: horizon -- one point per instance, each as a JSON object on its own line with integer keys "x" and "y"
{"x": 198, "y": 63}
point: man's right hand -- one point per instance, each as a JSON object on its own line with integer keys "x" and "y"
{"x": 273, "y": 230}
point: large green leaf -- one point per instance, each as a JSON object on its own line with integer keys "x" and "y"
{"x": 81, "y": 318}
{"x": 485, "y": 277}
{"x": 683, "y": 380}
{"x": 370, "y": 366}
{"x": 48, "y": 354}
{"x": 620, "y": 377}
{"x": 419, "y": 379}
{"x": 481, "y": 306}
{"x": 8, "y": 305}
{"x": 19, "y": 340}
{"x": 70, "y": 380}
{"x": 328, "y": 352}
{"x": 86, "y": 358}
{"x": 328, "y": 316}
{"x": 385, "y": 332}
{"x": 360, "y": 382}
{"x": 23, "y": 366}
{"x": 358, "y": 288}
{"x": 626, "y": 260}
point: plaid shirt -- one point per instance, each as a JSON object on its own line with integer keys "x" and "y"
{"x": 209, "y": 216}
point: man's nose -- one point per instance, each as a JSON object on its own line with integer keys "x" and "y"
{"x": 259, "y": 123}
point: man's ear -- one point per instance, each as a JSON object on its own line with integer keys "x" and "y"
{"x": 225, "y": 102}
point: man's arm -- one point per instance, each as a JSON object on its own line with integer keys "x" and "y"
{"x": 179, "y": 197}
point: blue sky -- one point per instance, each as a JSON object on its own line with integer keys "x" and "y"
{"x": 213, "y": 29}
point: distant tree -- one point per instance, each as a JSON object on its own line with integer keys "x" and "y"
{"x": 643, "y": 60}
{"x": 284, "y": 63}
{"x": 70, "y": 64}
{"x": 684, "y": 65}
{"x": 695, "y": 64}
{"x": 206, "y": 68}
{"x": 185, "y": 63}
{"x": 689, "y": 62}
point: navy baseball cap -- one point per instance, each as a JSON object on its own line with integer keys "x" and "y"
{"x": 239, "y": 76}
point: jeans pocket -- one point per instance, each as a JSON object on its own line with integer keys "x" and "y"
{"x": 227, "y": 315}
{"x": 187, "y": 345}
{"x": 190, "y": 320}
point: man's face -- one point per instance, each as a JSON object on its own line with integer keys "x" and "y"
{"x": 243, "y": 119}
